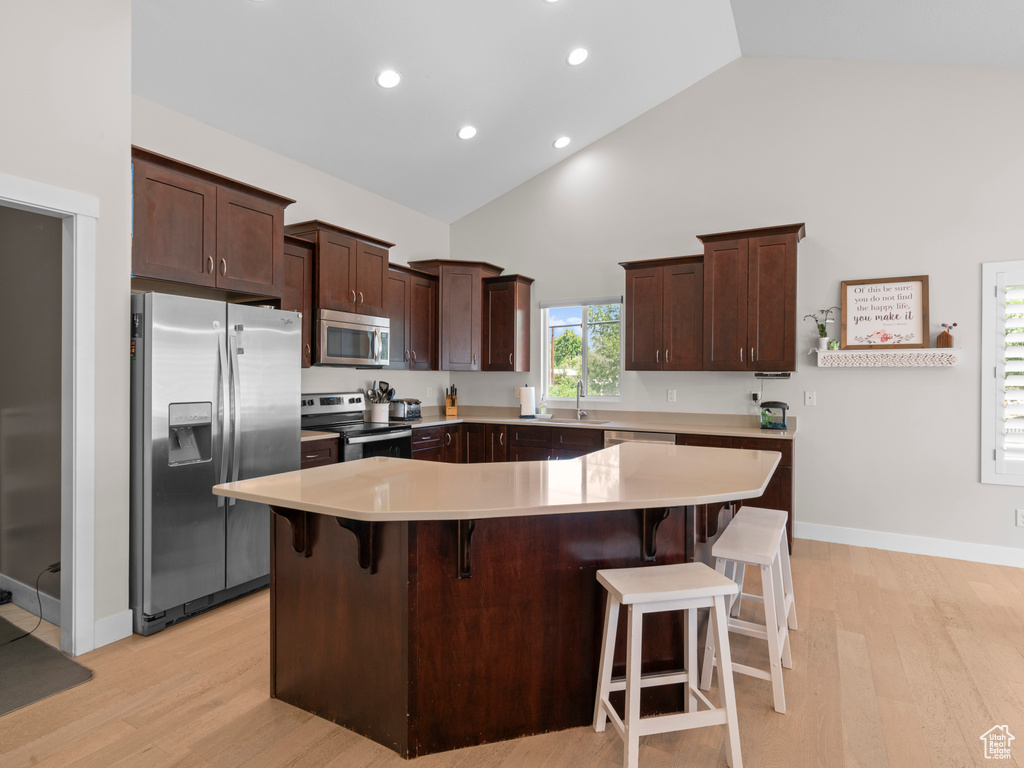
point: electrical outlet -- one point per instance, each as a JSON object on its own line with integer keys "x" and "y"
{"x": 1020, "y": 518}
{"x": 810, "y": 398}
{"x": 756, "y": 397}
{"x": 671, "y": 394}
{"x": 430, "y": 393}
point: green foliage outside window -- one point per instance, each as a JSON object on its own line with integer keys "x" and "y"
{"x": 589, "y": 347}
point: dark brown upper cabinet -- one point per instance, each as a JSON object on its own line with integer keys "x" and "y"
{"x": 411, "y": 304}
{"x": 506, "y": 318}
{"x": 351, "y": 268}
{"x": 750, "y": 299}
{"x": 664, "y": 314}
{"x": 460, "y": 300}
{"x": 194, "y": 227}
{"x": 298, "y": 289}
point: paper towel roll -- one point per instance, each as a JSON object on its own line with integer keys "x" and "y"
{"x": 527, "y": 401}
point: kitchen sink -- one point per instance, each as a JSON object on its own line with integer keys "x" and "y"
{"x": 581, "y": 422}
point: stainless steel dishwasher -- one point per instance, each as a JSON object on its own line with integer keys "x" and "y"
{"x": 611, "y": 437}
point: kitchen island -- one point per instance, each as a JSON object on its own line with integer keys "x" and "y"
{"x": 434, "y": 606}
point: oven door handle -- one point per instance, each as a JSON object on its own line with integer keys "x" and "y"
{"x": 379, "y": 438}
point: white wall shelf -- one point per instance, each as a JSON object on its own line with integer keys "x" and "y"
{"x": 887, "y": 358}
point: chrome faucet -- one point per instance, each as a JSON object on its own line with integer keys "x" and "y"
{"x": 579, "y": 393}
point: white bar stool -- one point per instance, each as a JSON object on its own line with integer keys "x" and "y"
{"x": 753, "y": 541}
{"x": 653, "y": 589}
{"x": 775, "y": 518}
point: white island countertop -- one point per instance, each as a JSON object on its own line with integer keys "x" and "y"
{"x": 627, "y": 476}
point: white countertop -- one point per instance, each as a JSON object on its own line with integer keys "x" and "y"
{"x": 306, "y": 435}
{"x": 628, "y": 476}
{"x": 724, "y": 430}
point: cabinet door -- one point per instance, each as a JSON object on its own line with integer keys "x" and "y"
{"x": 725, "y": 306}
{"x": 499, "y": 326}
{"x": 336, "y": 256}
{"x": 371, "y": 269}
{"x": 433, "y": 453}
{"x": 317, "y": 453}
{"x": 297, "y": 293}
{"x": 474, "y": 450}
{"x": 496, "y": 443}
{"x": 771, "y": 308}
{"x": 453, "y": 444}
{"x": 683, "y": 329}
{"x": 250, "y": 243}
{"x": 174, "y": 233}
{"x": 576, "y": 440}
{"x": 460, "y": 318}
{"x": 644, "y": 297}
{"x": 422, "y": 323}
{"x": 528, "y": 453}
{"x": 397, "y": 300}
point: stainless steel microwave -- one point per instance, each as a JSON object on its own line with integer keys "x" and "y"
{"x": 345, "y": 338}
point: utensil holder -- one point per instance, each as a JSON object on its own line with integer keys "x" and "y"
{"x": 379, "y": 412}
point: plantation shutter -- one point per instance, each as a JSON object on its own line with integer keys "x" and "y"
{"x": 1009, "y": 373}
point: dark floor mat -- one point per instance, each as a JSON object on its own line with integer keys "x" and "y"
{"x": 31, "y": 670}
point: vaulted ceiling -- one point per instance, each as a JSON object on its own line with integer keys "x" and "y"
{"x": 298, "y": 76}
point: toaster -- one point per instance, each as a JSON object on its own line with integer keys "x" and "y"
{"x": 406, "y": 409}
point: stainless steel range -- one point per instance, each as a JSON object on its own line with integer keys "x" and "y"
{"x": 342, "y": 412}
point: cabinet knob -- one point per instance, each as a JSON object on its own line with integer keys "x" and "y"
{"x": 209, "y": 262}
{"x": 360, "y": 297}
{"x": 474, "y": 358}
{"x": 501, "y": 438}
{"x": 414, "y": 355}
{"x": 741, "y": 354}
{"x": 353, "y": 296}
{"x": 666, "y": 355}
{"x": 510, "y": 358}
{"x": 751, "y": 354}
{"x": 657, "y": 355}
{"x": 308, "y": 350}
{"x": 447, "y": 438}
{"x": 223, "y": 266}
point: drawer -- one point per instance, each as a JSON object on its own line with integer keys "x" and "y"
{"x": 316, "y": 453}
{"x": 427, "y": 437}
{"x": 539, "y": 437}
{"x": 785, "y": 447}
{"x": 585, "y": 440}
{"x": 705, "y": 441}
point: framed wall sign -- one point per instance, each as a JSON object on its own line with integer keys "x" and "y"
{"x": 885, "y": 312}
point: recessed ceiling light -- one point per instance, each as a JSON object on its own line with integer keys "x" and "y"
{"x": 577, "y": 56}
{"x": 561, "y": 142}
{"x": 467, "y": 132}
{"x": 389, "y": 78}
{"x": 551, "y": 1}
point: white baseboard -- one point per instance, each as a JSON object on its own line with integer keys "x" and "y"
{"x": 916, "y": 545}
{"x": 113, "y": 628}
{"x": 24, "y": 596}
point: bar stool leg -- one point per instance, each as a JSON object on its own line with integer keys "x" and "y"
{"x": 690, "y": 705}
{"x": 604, "y": 673}
{"x": 709, "y": 643}
{"x": 787, "y": 580}
{"x": 780, "y": 613}
{"x": 737, "y": 602}
{"x": 634, "y": 642}
{"x": 719, "y": 623}
{"x": 772, "y": 631}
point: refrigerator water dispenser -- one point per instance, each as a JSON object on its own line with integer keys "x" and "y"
{"x": 189, "y": 438}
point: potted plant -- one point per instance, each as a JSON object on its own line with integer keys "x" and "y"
{"x": 821, "y": 319}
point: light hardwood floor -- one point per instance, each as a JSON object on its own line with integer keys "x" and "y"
{"x": 900, "y": 660}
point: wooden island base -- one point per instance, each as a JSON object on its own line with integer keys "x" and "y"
{"x": 422, "y": 661}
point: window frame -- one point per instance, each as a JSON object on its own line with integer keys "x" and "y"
{"x": 995, "y": 277}
{"x": 545, "y": 329}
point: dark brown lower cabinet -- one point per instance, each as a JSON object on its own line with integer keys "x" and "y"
{"x": 778, "y": 494}
{"x": 496, "y": 447}
{"x": 473, "y": 443}
{"x": 316, "y": 453}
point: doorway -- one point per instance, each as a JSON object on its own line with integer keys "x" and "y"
{"x": 75, "y": 215}
{"x": 30, "y": 409}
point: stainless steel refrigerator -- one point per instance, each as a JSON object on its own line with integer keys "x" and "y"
{"x": 215, "y": 397}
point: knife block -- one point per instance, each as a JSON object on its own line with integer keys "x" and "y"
{"x": 451, "y": 405}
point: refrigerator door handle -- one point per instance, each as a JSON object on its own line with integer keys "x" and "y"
{"x": 224, "y": 401}
{"x": 236, "y": 414}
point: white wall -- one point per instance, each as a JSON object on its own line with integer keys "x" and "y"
{"x": 318, "y": 196}
{"x": 896, "y": 169}
{"x": 65, "y": 93}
